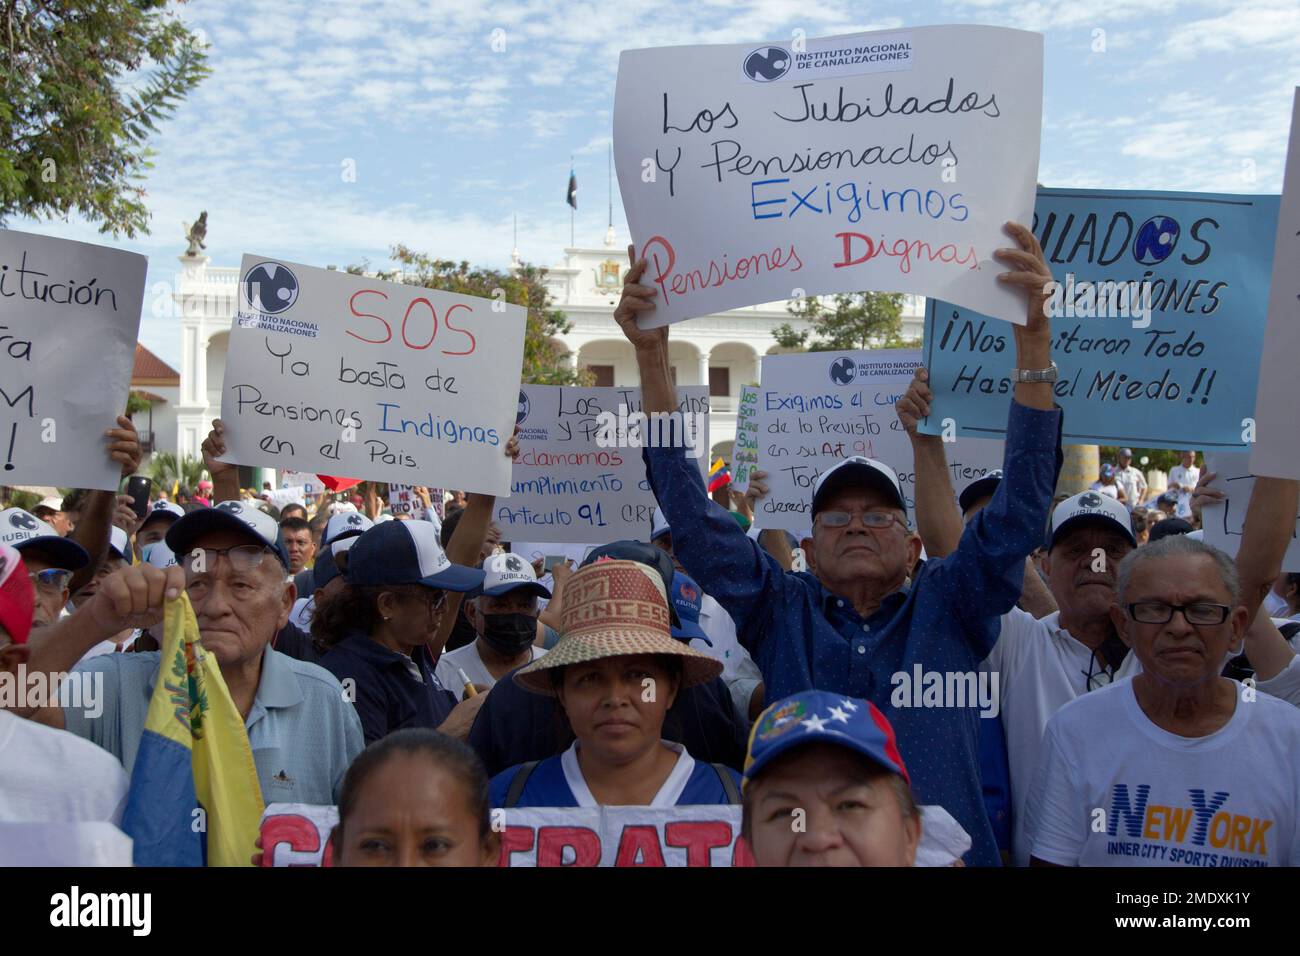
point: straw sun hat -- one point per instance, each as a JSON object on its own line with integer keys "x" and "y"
{"x": 613, "y": 609}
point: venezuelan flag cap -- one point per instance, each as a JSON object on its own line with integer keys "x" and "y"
{"x": 815, "y": 716}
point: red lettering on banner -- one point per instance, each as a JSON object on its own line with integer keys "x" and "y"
{"x": 433, "y": 314}
{"x": 296, "y": 832}
{"x": 643, "y": 840}
{"x": 904, "y": 250}
{"x": 473, "y": 343}
{"x": 714, "y": 274}
{"x": 551, "y": 842}
{"x": 515, "y": 840}
{"x": 388, "y": 329}
{"x": 698, "y": 837}
{"x": 741, "y": 854}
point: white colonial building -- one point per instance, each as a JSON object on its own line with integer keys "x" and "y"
{"x": 722, "y": 351}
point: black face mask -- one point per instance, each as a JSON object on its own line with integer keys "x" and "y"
{"x": 509, "y": 633}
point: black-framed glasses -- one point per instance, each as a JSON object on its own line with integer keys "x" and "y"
{"x": 243, "y": 557}
{"x": 1202, "y": 614}
{"x": 51, "y": 580}
{"x": 877, "y": 520}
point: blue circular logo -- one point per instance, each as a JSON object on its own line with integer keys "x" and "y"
{"x": 843, "y": 371}
{"x": 1155, "y": 240}
{"x": 767, "y": 63}
{"x": 21, "y": 519}
{"x": 523, "y": 407}
{"x": 271, "y": 288}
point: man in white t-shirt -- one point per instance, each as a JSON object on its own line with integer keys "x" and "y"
{"x": 46, "y": 775}
{"x": 1183, "y": 479}
{"x": 1043, "y": 664}
{"x": 1130, "y": 479}
{"x": 1176, "y": 766}
{"x": 504, "y": 616}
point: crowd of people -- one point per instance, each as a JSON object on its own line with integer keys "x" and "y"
{"x": 418, "y": 674}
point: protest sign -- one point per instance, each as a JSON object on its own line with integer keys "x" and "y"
{"x": 744, "y": 453}
{"x": 309, "y": 483}
{"x": 402, "y": 500}
{"x": 889, "y": 161}
{"x": 1179, "y": 376}
{"x": 293, "y": 495}
{"x": 1277, "y": 429}
{"x": 298, "y": 835}
{"x": 580, "y": 478}
{"x": 69, "y": 316}
{"x": 818, "y": 408}
{"x": 1224, "y": 521}
{"x": 344, "y": 374}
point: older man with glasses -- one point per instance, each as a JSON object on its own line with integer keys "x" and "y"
{"x": 1177, "y": 765}
{"x": 302, "y": 732}
{"x": 855, "y": 622}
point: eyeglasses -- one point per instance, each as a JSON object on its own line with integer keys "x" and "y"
{"x": 1157, "y": 612}
{"x": 435, "y": 601}
{"x": 878, "y": 520}
{"x": 51, "y": 580}
{"x": 244, "y": 557}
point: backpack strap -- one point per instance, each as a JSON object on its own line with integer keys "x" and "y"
{"x": 519, "y": 781}
{"x": 728, "y": 785}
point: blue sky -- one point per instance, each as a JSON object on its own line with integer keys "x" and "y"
{"x": 451, "y": 137}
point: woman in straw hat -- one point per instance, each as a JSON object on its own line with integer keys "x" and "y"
{"x": 615, "y": 672}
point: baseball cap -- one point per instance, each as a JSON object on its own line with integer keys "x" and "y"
{"x": 1168, "y": 498}
{"x": 162, "y": 510}
{"x": 858, "y": 471}
{"x": 1163, "y": 529}
{"x": 1126, "y": 453}
{"x": 17, "y": 599}
{"x": 816, "y": 716}
{"x": 326, "y": 568}
{"x": 51, "y": 503}
{"x": 407, "y": 552}
{"x": 23, "y": 530}
{"x": 979, "y": 488}
{"x": 687, "y": 598}
{"x": 1107, "y": 470}
{"x": 240, "y": 516}
{"x": 503, "y": 573}
{"x": 346, "y": 525}
{"x": 1089, "y": 506}
{"x": 658, "y": 524}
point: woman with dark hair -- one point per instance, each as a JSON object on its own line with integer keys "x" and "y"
{"x": 415, "y": 798}
{"x": 378, "y": 627}
{"x": 615, "y": 672}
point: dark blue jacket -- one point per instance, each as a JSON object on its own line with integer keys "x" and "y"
{"x": 384, "y": 691}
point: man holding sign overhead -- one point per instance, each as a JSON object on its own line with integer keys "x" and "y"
{"x": 856, "y": 624}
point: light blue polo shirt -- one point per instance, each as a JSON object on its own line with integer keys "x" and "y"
{"x": 302, "y": 730}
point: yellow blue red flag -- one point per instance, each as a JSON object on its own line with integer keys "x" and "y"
{"x": 194, "y": 797}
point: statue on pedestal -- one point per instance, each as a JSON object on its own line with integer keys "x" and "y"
{"x": 195, "y": 234}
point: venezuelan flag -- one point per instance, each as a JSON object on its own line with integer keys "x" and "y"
{"x": 719, "y": 476}
{"x": 194, "y": 756}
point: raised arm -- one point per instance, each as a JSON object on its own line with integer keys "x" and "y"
{"x": 225, "y": 476}
{"x": 1270, "y": 525}
{"x": 92, "y": 531}
{"x": 937, "y": 520}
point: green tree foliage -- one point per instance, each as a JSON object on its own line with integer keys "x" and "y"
{"x": 851, "y": 320}
{"x": 166, "y": 471}
{"x": 526, "y": 286}
{"x": 86, "y": 83}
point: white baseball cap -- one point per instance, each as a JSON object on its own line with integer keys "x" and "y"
{"x": 162, "y": 509}
{"x": 1089, "y": 506}
{"x": 346, "y": 524}
{"x": 22, "y": 530}
{"x": 52, "y": 503}
{"x": 858, "y": 471}
{"x": 241, "y": 516}
{"x": 119, "y": 543}
{"x": 510, "y": 572}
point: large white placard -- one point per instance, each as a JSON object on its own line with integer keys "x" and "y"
{"x": 340, "y": 374}
{"x": 69, "y": 316}
{"x": 572, "y": 484}
{"x": 890, "y": 161}
{"x": 1224, "y": 522}
{"x": 818, "y": 408}
{"x": 1277, "y": 428}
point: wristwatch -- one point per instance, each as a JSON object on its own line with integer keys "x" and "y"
{"x": 1033, "y": 375}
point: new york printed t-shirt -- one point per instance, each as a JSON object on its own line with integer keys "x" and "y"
{"x": 1113, "y": 789}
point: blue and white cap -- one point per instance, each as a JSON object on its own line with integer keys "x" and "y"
{"x": 1090, "y": 506}
{"x": 241, "y": 516}
{"x": 346, "y": 524}
{"x": 407, "y": 552}
{"x": 23, "y": 530}
{"x": 658, "y": 524}
{"x": 858, "y": 471}
{"x": 119, "y": 543}
{"x": 163, "y": 510}
{"x": 503, "y": 573}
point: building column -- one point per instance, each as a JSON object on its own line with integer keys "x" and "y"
{"x": 704, "y": 367}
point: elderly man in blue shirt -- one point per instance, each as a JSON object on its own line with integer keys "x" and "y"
{"x": 858, "y": 619}
{"x": 302, "y": 731}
